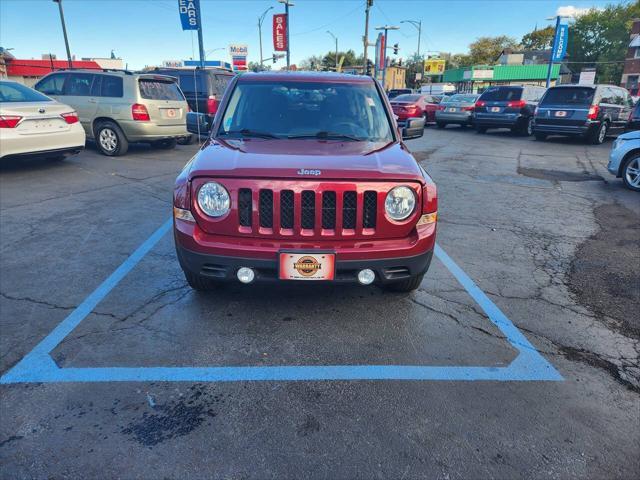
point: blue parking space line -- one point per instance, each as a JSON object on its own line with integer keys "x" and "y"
{"x": 38, "y": 366}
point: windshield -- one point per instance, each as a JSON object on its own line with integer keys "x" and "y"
{"x": 502, "y": 94}
{"x": 464, "y": 98}
{"x": 14, "y": 92}
{"x": 407, "y": 98}
{"x": 306, "y": 109}
{"x": 568, "y": 95}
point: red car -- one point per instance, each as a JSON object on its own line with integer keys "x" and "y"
{"x": 415, "y": 105}
{"x": 305, "y": 177}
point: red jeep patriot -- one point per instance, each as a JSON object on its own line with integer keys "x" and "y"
{"x": 305, "y": 177}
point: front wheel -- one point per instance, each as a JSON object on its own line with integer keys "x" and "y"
{"x": 631, "y": 172}
{"x": 527, "y": 127}
{"x": 405, "y": 286}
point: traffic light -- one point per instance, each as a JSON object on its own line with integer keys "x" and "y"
{"x": 369, "y": 3}
{"x": 395, "y": 49}
{"x": 275, "y": 59}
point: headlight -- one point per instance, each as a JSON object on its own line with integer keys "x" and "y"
{"x": 400, "y": 203}
{"x": 214, "y": 199}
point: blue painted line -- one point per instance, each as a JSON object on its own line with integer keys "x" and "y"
{"x": 38, "y": 366}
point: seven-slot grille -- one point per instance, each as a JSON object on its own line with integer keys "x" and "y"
{"x": 336, "y": 211}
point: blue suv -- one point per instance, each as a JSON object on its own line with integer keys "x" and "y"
{"x": 507, "y": 106}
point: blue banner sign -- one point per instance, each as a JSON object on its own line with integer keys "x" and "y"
{"x": 189, "y": 14}
{"x": 560, "y": 43}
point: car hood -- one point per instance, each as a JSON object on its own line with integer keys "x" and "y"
{"x": 311, "y": 159}
{"x": 633, "y": 135}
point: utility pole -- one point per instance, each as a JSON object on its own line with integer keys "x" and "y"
{"x": 260, "y": 20}
{"x": 287, "y": 4}
{"x": 418, "y": 25}
{"x": 64, "y": 31}
{"x": 366, "y": 34}
{"x": 336, "y": 39}
{"x": 203, "y": 57}
{"x": 386, "y": 29}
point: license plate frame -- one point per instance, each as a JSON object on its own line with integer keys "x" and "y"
{"x": 495, "y": 109}
{"x": 322, "y": 265}
{"x": 560, "y": 113}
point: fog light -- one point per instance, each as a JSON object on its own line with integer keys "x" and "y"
{"x": 366, "y": 276}
{"x": 246, "y": 275}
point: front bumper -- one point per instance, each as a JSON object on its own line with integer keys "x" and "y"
{"x": 220, "y": 256}
{"x": 224, "y": 268}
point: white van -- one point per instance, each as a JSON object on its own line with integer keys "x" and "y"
{"x": 438, "y": 89}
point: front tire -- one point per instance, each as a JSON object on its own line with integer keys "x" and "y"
{"x": 631, "y": 172}
{"x": 110, "y": 139}
{"x": 527, "y": 128}
{"x": 198, "y": 282}
{"x": 405, "y": 286}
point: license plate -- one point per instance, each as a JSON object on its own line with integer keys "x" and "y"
{"x": 561, "y": 113}
{"x": 495, "y": 109}
{"x": 452, "y": 109}
{"x": 171, "y": 112}
{"x": 307, "y": 266}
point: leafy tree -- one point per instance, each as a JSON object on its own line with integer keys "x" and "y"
{"x": 256, "y": 67}
{"x": 601, "y": 36}
{"x": 486, "y": 50}
{"x": 539, "y": 39}
{"x": 350, "y": 59}
{"x": 314, "y": 62}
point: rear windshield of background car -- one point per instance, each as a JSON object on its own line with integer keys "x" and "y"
{"x": 160, "y": 90}
{"x": 568, "y": 96}
{"x": 10, "y": 92}
{"x": 502, "y": 94}
{"x": 407, "y": 98}
{"x": 192, "y": 83}
{"x": 464, "y": 98}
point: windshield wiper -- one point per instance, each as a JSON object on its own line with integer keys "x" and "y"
{"x": 327, "y": 135}
{"x": 245, "y": 132}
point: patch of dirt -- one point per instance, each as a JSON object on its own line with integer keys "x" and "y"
{"x": 558, "y": 175}
{"x": 605, "y": 272}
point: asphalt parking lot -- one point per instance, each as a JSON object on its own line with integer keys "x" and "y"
{"x": 517, "y": 358}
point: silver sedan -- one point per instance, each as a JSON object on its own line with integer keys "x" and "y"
{"x": 458, "y": 110}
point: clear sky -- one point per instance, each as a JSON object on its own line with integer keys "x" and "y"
{"x": 146, "y": 32}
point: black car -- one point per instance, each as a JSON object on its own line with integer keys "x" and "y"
{"x": 634, "y": 119}
{"x": 203, "y": 89}
{"x": 507, "y": 106}
{"x": 398, "y": 91}
{"x": 589, "y": 111}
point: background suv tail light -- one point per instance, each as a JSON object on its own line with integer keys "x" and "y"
{"x": 517, "y": 104}
{"x": 212, "y": 105}
{"x": 71, "y": 117}
{"x": 467, "y": 109}
{"x": 9, "y": 121}
{"x": 593, "y": 112}
{"x": 139, "y": 112}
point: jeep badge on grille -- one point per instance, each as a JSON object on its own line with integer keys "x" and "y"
{"x": 304, "y": 171}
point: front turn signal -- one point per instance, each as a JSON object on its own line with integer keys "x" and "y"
{"x": 428, "y": 218}
{"x": 181, "y": 214}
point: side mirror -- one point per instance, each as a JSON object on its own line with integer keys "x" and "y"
{"x": 414, "y": 128}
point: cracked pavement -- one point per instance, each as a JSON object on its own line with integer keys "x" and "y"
{"x": 541, "y": 227}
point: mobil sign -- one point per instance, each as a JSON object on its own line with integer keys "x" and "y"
{"x": 280, "y": 32}
{"x": 189, "y": 14}
{"x": 238, "y": 55}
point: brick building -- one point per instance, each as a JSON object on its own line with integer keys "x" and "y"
{"x": 631, "y": 72}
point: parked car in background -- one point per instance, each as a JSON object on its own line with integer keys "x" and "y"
{"x": 322, "y": 189}
{"x": 203, "y": 89}
{"x": 634, "y": 119}
{"x": 457, "y": 109}
{"x": 393, "y": 93}
{"x": 508, "y": 106}
{"x": 415, "y": 105}
{"x": 117, "y": 107}
{"x": 589, "y": 111}
{"x": 624, "y": 159}
{"x": 32, "y": 124}
{"x": 438, "y": 89}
